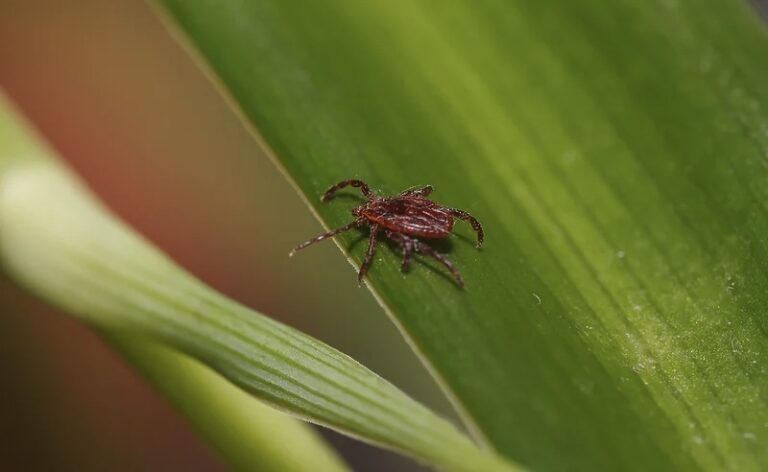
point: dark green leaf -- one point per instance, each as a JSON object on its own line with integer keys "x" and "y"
{"x": 617, "y": 154}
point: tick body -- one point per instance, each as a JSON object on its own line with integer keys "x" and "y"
{"x": 403, "y": 219}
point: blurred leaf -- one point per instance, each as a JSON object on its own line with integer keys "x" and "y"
{"x": 617, "y": 154}
{"x": 246, "y": 433}
{"x": 61, "y": 244}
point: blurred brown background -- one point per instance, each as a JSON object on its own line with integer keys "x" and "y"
{"x": 125, "y": 106}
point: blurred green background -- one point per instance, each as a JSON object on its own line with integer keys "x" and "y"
{"x": 127, "y": 108}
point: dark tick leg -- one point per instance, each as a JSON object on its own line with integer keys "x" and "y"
{"x": 410, "y": 245}
{"x": 463, "y": 215}
{"x": 407, "y": 251}
{"x": 327, "y": 235}
{"x": 346, "y": 183}
{"x": 406, "y": 244}
{"x": 372, "y": 241}
{"x": 427, "y": 249}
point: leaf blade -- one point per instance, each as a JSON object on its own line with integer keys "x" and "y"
{"x": 582, "y": 157}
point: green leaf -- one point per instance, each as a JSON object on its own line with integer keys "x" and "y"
{"x": 617, "y": 154}
{"x": 60, "y": 243}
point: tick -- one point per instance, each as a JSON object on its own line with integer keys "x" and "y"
{"x": 403, "y": 218}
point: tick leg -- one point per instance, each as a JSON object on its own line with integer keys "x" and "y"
{"x": 406, "y": 245}
{"x": 423, "y": 191}
{"x": 463, "y": 215}
{"x": 407, "y": 251}
{"x": 411, "y": 245}
{"x": 372, "y": 241}
{"x": 346, "y": 183}
{"x": 427, "y": 249}
{"x": 327, "y": 235}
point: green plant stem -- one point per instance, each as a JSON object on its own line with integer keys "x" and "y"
{"x": 247, "y": 433}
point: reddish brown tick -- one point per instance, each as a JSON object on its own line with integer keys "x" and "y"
{"x": 402, "y": 218}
